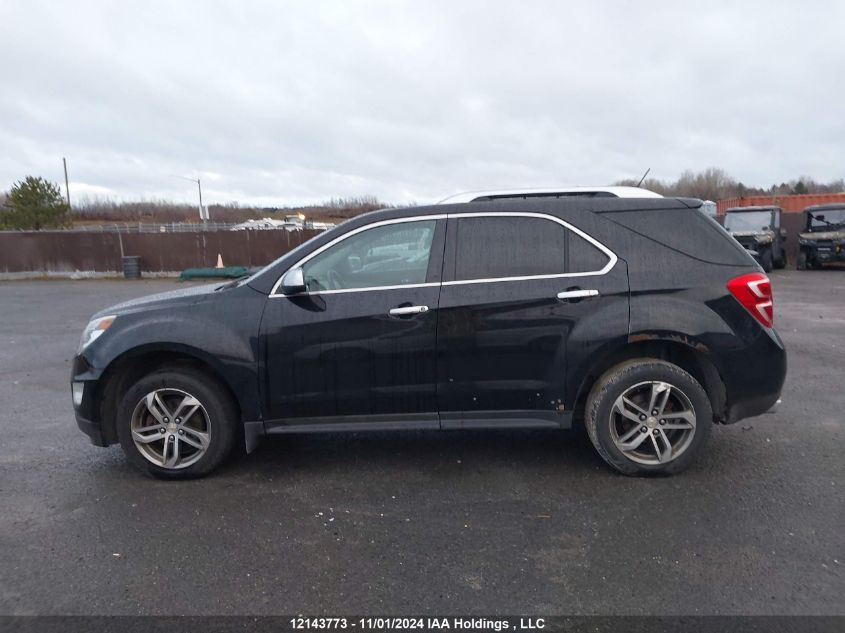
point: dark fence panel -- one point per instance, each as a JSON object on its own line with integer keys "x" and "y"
{"x": 63, "y": 251}
{"x": 68, "y": 251}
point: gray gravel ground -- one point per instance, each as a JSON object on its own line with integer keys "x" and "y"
{"x": 480, "y": 522}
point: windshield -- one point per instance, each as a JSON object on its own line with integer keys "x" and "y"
{"x": 823, "y": 220}
{"x": 748, "y": 220}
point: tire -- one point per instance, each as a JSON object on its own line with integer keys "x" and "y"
{"x": 198, "y": 443}
{"x": 780, "y": 262}
{"x": 608, "y": 427}
{"x": 801, "y": 264}
{"x": 766, "y": 260}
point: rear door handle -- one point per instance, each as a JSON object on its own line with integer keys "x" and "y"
{"x": 567, "y": 295}
{"x": 408, "y": 310}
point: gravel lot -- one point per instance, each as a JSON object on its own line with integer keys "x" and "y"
{"x": 479, "y": 522}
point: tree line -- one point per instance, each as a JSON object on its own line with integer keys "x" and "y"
{"x": 716, "y": 184}
{"x": 34, "y": 203}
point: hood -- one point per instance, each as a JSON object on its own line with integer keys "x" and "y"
{"x": 823, "y": 235}
{"x": 182, "y": 296}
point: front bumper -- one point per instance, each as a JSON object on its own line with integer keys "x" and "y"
{"x": 826, "y": 254}
{"x": 92, "y": 430}
{"x": 84, "y": 397}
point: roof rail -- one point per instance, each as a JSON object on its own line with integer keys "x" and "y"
{"x": 551, "y": 192}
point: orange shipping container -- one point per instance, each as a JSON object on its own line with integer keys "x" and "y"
{"x": 790, "y": 204}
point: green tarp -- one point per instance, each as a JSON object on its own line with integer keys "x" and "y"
{"x": 229, "y": 272}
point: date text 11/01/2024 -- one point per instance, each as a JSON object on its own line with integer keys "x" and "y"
{"x": 410, "y": 624}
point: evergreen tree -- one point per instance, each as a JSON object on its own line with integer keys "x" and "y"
{"x": 34, "y": 203}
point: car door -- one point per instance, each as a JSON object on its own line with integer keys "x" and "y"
{"x": 516, "y": 286}
{"x": 358, "y": 346}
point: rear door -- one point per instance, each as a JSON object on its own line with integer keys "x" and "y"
{"x": 515, "y": 287}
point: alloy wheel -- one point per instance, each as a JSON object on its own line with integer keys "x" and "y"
{"x": 652, "y": 422}
{"x": 171, "y": 428}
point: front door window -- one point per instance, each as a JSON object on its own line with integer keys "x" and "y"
{"x": 389, "y": 255}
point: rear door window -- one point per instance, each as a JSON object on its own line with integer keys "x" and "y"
{"x": 497, "y": 247}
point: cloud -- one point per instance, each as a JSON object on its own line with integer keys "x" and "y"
{"x": 290, "y": 102}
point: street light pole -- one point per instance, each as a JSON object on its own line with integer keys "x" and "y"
{"x": 199, "y": 188}
{"x": 202, "y": 210}
{"x": 67, "y": 187}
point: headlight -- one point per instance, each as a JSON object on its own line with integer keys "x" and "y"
{"x": 94, "y": 329}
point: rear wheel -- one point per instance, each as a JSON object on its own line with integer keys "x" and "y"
{"x": 177, "y": 424}
{"x": 648, "y": 416}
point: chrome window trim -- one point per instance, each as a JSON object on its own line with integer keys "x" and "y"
{"x": 611, "y": 262}
{"x": 421, "y": 218}
{"x": 368, "y": 289}
{"x": 612, "y": 258}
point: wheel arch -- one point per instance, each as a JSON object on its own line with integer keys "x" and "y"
{"x": 686, "y": 354}
{"x": 125, "y": 370}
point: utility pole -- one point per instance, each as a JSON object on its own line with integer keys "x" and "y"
{"x": 203, "y": 216}
{"x": 202, "y": 210}
{"x": 67, "y": 187}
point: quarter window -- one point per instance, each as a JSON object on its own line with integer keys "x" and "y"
{"x": 583, "y": 257}
{"x": 387, "y": 255}
{"x": 499, "y": 247}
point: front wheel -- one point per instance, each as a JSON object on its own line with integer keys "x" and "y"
{"x": 766, "y": 260}
{"x": 177, "y": 424}
{"x": 648, "y": 416}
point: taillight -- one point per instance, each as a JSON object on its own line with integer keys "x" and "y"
{"x": 754, "y": 292}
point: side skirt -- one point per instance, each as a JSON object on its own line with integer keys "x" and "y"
{"x": 529, "y": 419}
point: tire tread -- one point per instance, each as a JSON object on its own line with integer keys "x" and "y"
{"x": 220, "y": 406}
{"x": 626, "y": 374}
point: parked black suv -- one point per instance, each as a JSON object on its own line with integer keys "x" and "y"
{"x": 823, "y": 238}
{"x": 641, "y": 317}
{"x": 759, "y": 232}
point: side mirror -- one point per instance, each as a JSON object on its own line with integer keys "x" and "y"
{"x": 294, "y": 282}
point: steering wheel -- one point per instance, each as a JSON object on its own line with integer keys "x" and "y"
{"x": 334, "y": 280}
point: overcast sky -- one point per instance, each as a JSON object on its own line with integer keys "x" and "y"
{"x": 294, "y": 102}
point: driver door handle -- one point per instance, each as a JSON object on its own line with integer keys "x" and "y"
{"x": 408, "y": 310}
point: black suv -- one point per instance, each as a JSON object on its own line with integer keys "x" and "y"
{"x": 640, "y": 317}
{"x": 759, "y": 231}
{"x": 823, "y": 238}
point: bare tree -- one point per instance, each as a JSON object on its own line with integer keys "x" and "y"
{"x": 716, "y": 184}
